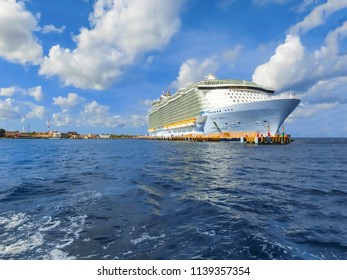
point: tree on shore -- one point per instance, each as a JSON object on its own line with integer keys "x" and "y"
{"x": 2, "y": 132}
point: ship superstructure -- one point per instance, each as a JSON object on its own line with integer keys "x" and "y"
{"x": 219, "y": 105}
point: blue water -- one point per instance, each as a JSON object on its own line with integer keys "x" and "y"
{"x": 137, "y": 199}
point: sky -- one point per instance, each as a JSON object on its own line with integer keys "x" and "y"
{"x": 95, "y": 66}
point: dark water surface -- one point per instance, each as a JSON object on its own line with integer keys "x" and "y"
{"x": 136, "y": 199}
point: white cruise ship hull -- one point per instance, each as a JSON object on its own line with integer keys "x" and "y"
{"x": 261, "y": 117}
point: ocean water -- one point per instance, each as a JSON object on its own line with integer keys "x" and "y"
{"x": 137, "y": 199}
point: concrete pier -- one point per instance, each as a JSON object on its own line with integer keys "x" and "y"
{"x": 249, "y": 138}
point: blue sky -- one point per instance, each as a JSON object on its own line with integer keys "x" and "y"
{"x": 94, "y": 66}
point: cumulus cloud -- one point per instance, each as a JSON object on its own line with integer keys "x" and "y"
{"x": 318, "y": 77}
{"x": 92, "y": 114}
{"x": 285, "y": 67}
{"x": 11, "y": 109}
{"x": 10, "y": 91}
{"x": 121, "y": 30}
{"x": 193, "y": 70}
{"x": 319, "y": 120}
{"x": 327, "y": 91}
{"x": 318, "y": 16}
{"x": 95, "y": 114}
{"x": 19, "y": 109}
{"x": 8, "y": 110}
{"x": 36, "y": 111}
{"x": 310, "y": 110}
{"x": 330, "y": 58}
{"x": 52, "y": 29}
{"x": 63, "y": 119}
{"x": 292, "y": 65}
{"x": 70, "y": 101}
{"x": 17, "y": 42}
{"x": 36, "y": 93}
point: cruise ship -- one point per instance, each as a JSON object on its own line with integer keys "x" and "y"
{"x": 219, "y": 105}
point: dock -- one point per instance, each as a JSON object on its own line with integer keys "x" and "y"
{"x": 245, "y": 138}
{"x": 267, "y": 140}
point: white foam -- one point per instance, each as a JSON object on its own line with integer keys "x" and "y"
{"x": 57, "y": 254}
{"x": 145, "y": 236}
{"x": 49, "y": 225}
{"x": 21, "y": 245}
{"x": 76, "y": 226}
{"x": 23, "y": 233}
{"x": 127, "y": 253}
{"x": 67, "y": 242}
{"x": 15, "y": 220}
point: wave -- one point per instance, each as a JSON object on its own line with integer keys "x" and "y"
{"x": 25, "y": 236}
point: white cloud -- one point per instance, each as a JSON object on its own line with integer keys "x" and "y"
{"x": 309, "y": 110}
{"x": 8, "y": 110}
{"x": 36, "y": 111}
{"x": 17, "y": 42}
{"x": 329, "y": 58}
{"x": 121, "y": 30}
{"x": 285, "y": 67}
{"x": 304, "y": 5}
{"x": 70, "y": 101}
{"x": 332, "y": 90}
{"x": 91, "y": 114}
{"x": 318, "y": 16}
{"x": 52, "y": 29}
{"x": 319, "y": 76}
{"x": 137, "y": 120}
{"x": 95, "y": 114}
{"x": 319, "y": 120}
{"x": 292, "y": 65}
{"x": 233, "y": 53}
{"x": 192, "y": 71}
{"x": 12, "y": 109}
{"x": 7, "y": 91}
{"x": 63, "y": 119}
{"x": 36, "y": 93}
